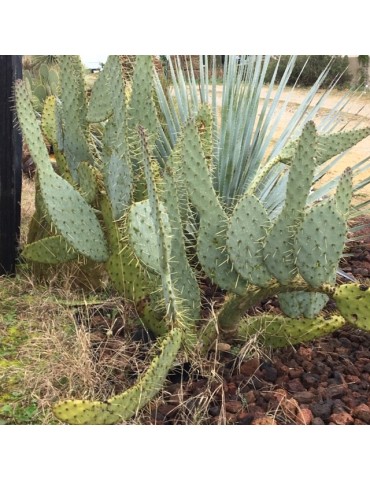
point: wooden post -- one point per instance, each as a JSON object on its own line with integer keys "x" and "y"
{"x": 10, "y": 166}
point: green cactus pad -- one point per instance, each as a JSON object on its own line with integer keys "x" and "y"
{"x": 142, "y": 107}
{"x": 184, "y": 278}
{"x": 118, "y": 181}
{"x": 197, "y": 175}
{"x": 278, "y": 331}
{"x": 142, "y": 234}
{"x": 245, "y": 237}
{"x": 121, "y": 408}
{"x": 87, "y": 178}
{"x": 127, "y": 275}
{"x": 204, "y": 124}
{"x": 100, "y": 104}
{"x": 163, "y": 234}
{"x": 44, "y": 71}
{"x": 74, "y": 219}
{"x": 74, "y": 109}
{"x": 279, "y": 251}
{"x": 343, "y": 194}
{"x": 40, "y": 93}
{"x": 211, "y": 248}
{"x": 334, "y": 143}
{"x": 320, "y": 242}
{"x": 48, "y": 120}
{"x": 302, "y": 304}
{"x": 353, "y": 302}
{"x": 328, "y": 145}
{"x": 50, "y": 250}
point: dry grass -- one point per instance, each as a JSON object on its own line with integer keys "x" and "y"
{"x": 27, "y": 206}
{"x": 73, "y": 347}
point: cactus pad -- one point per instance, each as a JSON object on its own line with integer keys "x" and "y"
{"x": 278, "y": 331}
{"x": 121, "y": 408}
{"x": 353, "y": 302}
{"x": 142, "y": 233}
{"x": 245, "y": 237}
{"x": 320, "y": 242}
{"x": 279, "y": 251}
{"x": 74, "y": 219}
{"x": 302, "y": 304}
{"x": 50, "y": 250}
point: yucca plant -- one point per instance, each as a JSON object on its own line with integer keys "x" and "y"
{"x": 168, "y": 196}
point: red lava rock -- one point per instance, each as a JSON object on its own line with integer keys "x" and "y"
{"x": 357, "y": 421}
{"x": 342, "y": 350}
{"x": 318, "y": 421}
{"x": 250, "y": 366}
{"x": 250, "y": 397}
{"x": 366, "y": 368}
{"x": 363, "y": 354}
{"x": 352, "y": 379}
{"x": 227, "y": 418}
{"x": 295, "y": 372}
{"x": 233, "y": 406}
{"x": 295, "y": 385}
{"x": 342, "y": 418}
{"x": 268, "y": 395}
{"x": 214, "y": 386}
{"x": 270, "y": 374}
{"x": 230, "y": 418}
{"x": 322, "y": 409}
{"x": 264, "y": 421}
{"x": 305, "y": 352}
{"x": 168, "y": 411}
{"x": 256, "y": 410}
{"x": 304, "y": 416}
{"x": 245, "y": 418}
{"x": 289, "y": 406}
{"x": 336, "y": 391}
{"x": 307, "y": 365}
{"x": 349, "y": 401}
{"x": 310, "y": 380}
{"x": 304, "y": 397}
{"x": 338, "y": 406}
{"x": 362, "y": 412}
{"x": 232, "y": 388}
{"x": 292, "y": 363}
{"x": 214, "y": 411}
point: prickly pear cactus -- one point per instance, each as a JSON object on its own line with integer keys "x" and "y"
{"x": 74, "y": 219}
{"x": 159, "y": 226}
{"x": 122, "y": 407}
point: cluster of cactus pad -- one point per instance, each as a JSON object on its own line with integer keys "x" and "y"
{"x": 42, "y": 84}
{"x": 111, "y": 201}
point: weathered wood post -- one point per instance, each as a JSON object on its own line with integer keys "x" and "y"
{"x": 10, "y": 166}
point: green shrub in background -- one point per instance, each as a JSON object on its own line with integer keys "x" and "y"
{"x": 308, "y": 68}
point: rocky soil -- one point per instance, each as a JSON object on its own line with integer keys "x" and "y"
{"x": 323, "y": 382}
